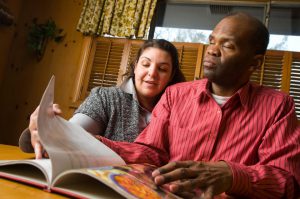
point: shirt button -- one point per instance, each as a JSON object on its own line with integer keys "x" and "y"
{"x": 218, "y": 111}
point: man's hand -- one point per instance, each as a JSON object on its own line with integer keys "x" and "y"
{"x": 35, "y": 139}
{"x": 190, "y": 178}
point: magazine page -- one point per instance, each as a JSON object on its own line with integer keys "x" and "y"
{"x": 68, "y": 145}
{"x": 130, "y": 181}
{"x": 35, "y": 172}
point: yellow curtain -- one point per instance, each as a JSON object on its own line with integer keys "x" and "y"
{"x": 122, "y": 18}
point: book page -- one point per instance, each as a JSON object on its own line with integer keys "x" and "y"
{"x": 68, "y": 145}
{"x": 36, "y": 172}
{"x": 132, "y": 181}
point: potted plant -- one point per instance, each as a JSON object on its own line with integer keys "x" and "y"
{"x": 40, "y": 34}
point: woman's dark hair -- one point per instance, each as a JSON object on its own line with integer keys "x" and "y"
{"x": 176, "y": 76}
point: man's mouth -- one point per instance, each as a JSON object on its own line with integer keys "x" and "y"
{"x": 207, "y": 63}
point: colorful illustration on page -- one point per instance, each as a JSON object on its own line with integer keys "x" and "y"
{"x": 134, "y": 187}
{"x": 135, "y": 179}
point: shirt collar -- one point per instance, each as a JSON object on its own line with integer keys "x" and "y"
{"x": 243, "y": 92}
{"x": 128, "y": 87}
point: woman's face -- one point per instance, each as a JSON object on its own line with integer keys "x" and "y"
{"x": 152, "y": 72}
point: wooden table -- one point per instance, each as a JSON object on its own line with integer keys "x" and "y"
{"x": 10, "y": 189}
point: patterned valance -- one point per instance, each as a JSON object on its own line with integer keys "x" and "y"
{"x": 122, "y": 18}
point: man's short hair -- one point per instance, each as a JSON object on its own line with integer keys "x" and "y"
{"x": 260, "y": 34}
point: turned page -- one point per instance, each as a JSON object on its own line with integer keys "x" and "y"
{"x": 68, "y": 145}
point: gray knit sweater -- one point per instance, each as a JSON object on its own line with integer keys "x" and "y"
{"x": 117, "y": 111}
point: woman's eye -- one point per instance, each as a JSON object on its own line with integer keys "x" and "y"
{"x": 164, "y": 69}
{"x": 146, "y": 65}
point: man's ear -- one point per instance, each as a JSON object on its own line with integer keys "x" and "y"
{"x": 258, "y": 60}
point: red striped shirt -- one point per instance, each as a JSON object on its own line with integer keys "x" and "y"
{"x": 255, "y": 132}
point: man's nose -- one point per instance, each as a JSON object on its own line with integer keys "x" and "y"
{"x": 214, "y": 50}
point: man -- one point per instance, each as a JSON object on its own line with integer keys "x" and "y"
{"x": 223, "y": 134}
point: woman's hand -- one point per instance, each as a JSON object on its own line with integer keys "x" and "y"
{"x": 35, "y": 139}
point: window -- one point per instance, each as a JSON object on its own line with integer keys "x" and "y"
{"x": 182, "y": 22}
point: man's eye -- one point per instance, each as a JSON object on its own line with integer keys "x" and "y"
{"x": 228, "y": 46}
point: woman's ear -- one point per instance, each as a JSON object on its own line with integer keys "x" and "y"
{"x": 258, "y": 60}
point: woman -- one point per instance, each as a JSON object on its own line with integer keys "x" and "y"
{"x": 121, "y": 113}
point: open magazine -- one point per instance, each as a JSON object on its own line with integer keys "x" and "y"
{"x": 79, "y": 165}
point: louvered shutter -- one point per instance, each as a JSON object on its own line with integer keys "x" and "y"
{"x": 189, "y": 59}
{"x": 106, "y": 63}
{"x": 295, "y": 82}
{"x": 109, "y": 59}
{"x": 270, "y": 74}
{"x": 134, "y": 47}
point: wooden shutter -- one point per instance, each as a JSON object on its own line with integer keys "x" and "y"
{"x": 109, "y": 58}
{"x": 130, "y": 50}
{"x": 295, "y": 81}
{"x": 106, "y": 63}
{"x": 133, "y": 49}
{"x": 270, "y": 74}
{"x": 99, "y": 66}
{"x": 190, "y": 59}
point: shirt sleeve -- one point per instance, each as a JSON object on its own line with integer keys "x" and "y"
{"x": 87, "y": 123}
{"x": 151, "y": 146}
{"x": 95, "y": 107}
{"x": 277, "y": 173}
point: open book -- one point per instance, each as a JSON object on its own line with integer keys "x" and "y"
{"x": 79, "y": 165}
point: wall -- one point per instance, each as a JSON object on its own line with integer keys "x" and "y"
{"x": 7, "y": 34}
{"x": 25, "y": 78}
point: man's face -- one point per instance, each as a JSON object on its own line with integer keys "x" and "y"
{"x": 229, "y": 55}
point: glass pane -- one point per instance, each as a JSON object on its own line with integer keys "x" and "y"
{"x": 182, "y": 35}
{"x": 202, "y": 16}
{"x": 285, "y": 20}
{"x": 284, "y": 42}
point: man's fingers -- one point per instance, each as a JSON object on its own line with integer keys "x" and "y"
{"x": 212, "y": 178}
{"x": 187, "y": 194}
{"x": 174, "y": 171}
{"x": 208, "y": 193}
{"x": 175, "y": 175}
{"x": 170, "y": 167}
